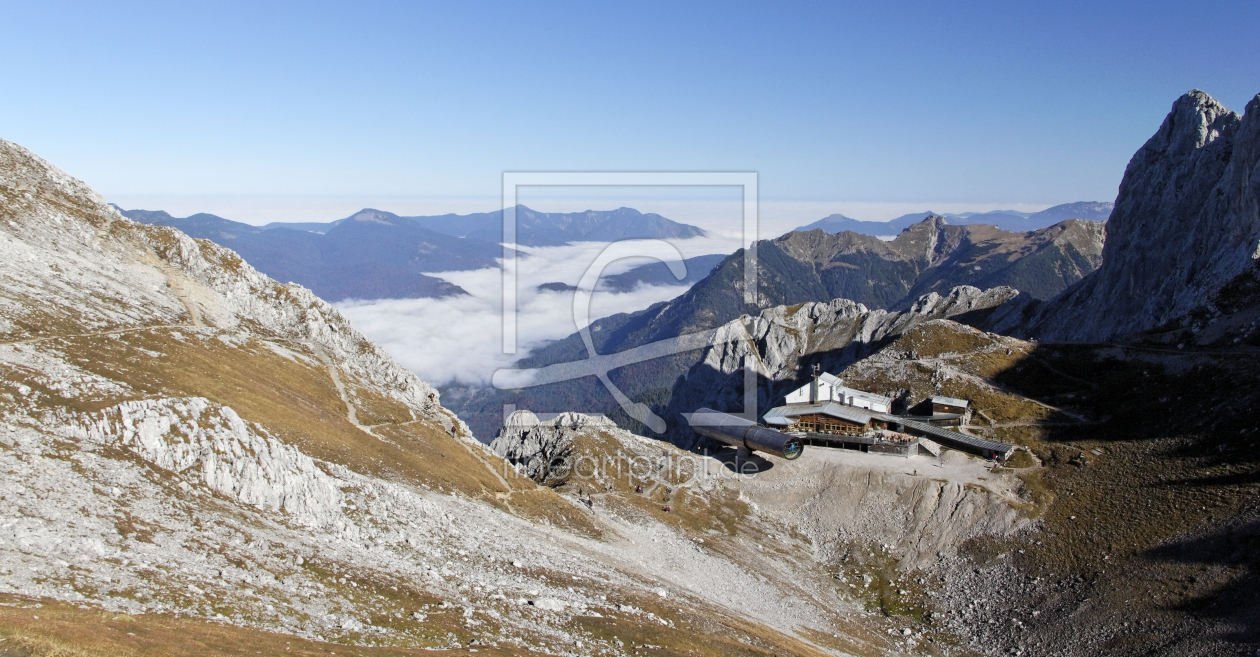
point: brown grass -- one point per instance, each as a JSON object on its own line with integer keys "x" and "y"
{"x": 297, "y": 402}
{"x": 48, "y": 628}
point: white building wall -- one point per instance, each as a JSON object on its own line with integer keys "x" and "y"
{"x": 839, "y": 393}
{"x": 798, "y": 396}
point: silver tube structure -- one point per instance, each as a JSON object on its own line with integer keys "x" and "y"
{"x": 739, "y": 432}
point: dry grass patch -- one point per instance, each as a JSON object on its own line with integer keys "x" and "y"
{"x": 45, "y": 628}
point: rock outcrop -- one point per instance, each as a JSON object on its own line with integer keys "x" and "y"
{"x": 541, "y": 450}
{"x": 1186, "y": 223}
{"x": 209, "y": 444}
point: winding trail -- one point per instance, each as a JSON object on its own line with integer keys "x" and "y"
{"x": 329, "y": 365}
{"x": 178, "y": 285}
{"x": 353, "y": 417}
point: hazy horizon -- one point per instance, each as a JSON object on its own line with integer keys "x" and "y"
{"x": 719, "y": 215}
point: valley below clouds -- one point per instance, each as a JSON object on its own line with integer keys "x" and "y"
{"x": 458, "y": 340}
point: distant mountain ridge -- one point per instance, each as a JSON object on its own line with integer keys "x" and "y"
{"x": 1011, "y": 220}
{"x": 658, "y": 273}
{"x": 375, "y": 254}
{"x": 655, "y": 273}
{"x": 370, "y": 255}
{"x": 535, "y": 228}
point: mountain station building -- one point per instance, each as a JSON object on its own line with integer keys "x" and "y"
{"x": 827, "y": 413}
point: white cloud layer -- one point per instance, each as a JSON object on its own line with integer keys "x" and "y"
{"x": 460, "y": 339}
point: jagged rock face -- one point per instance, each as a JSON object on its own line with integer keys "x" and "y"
{"x": 1186, "y": 223}
{"x": 540, "y": 449}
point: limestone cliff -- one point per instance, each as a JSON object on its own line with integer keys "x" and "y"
{"x": 1186, "y": 223}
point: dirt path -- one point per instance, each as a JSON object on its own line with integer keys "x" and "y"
{"x": 329, "y": 365}
{"x": 179, "y": 287}
{"x": 507, "y": 498}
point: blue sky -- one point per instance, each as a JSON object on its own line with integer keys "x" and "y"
{"x": 920, "y": 103}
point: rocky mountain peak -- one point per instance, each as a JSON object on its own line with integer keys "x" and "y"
{"x": 369, "y": 215}
{"x": 930, "y": 240}
{"x": 1185, "y": 223}
{"x": 1196, "y": 120}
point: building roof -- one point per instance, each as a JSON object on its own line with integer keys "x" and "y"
{"x": 830, "y": 379}
{"x": 957, "y": 440}
{"x": 786, "y": 415}
{"x": 869, "y": 396}
{"x": 949, "y": 401}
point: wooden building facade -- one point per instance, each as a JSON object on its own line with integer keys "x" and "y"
{"x": 824, "y": 423}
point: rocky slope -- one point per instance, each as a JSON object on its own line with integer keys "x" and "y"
{"x": 875, "y": 526}
{"x": 1186, "y": 224}
{"x": 1141, "y": 478}
{"x": 1126, "y": 517}
{"x": 194, "y": 457}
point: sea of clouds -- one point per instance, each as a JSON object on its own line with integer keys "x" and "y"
{"x": 459, "y": 340}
